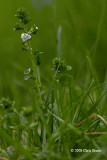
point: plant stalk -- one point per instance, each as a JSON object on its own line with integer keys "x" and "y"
{"x": 35, "y": 72}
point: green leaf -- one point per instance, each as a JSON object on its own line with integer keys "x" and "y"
{"x": 18, "y": 27}
{"x": 26, "y": 78}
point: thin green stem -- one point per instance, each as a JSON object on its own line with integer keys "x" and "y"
{"x": 35, "y": 71}
{"x": 5, "y": 154}
{"x": 34, "y": 67}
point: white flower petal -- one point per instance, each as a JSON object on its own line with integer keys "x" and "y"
{"x": 25, "y": 37}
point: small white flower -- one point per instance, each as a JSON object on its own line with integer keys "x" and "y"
{"x": 25, "y": 37}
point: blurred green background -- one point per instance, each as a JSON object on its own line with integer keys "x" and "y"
{"x": 84, "y": 33}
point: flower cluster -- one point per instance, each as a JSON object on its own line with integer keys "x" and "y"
{"x": 23, "y": 15}
{"x": 33, "y": 29}
{"x": 59, "y": 66}
{"x": 24, "y": 18}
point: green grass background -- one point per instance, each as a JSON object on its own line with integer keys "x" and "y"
{"x": 83, "y": 46}
{"x": 84, "y": 32}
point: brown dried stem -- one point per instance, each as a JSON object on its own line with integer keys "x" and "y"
{"x": 93, "y": 115}
{"x": 95, "y": 133}
{"x": 3, "y": 158}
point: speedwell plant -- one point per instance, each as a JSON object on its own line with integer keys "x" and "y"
{"x": 63, "y": 121}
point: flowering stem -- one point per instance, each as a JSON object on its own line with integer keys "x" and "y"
{"x": 35, "y": 71}
{"x": 34, "y": 67}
